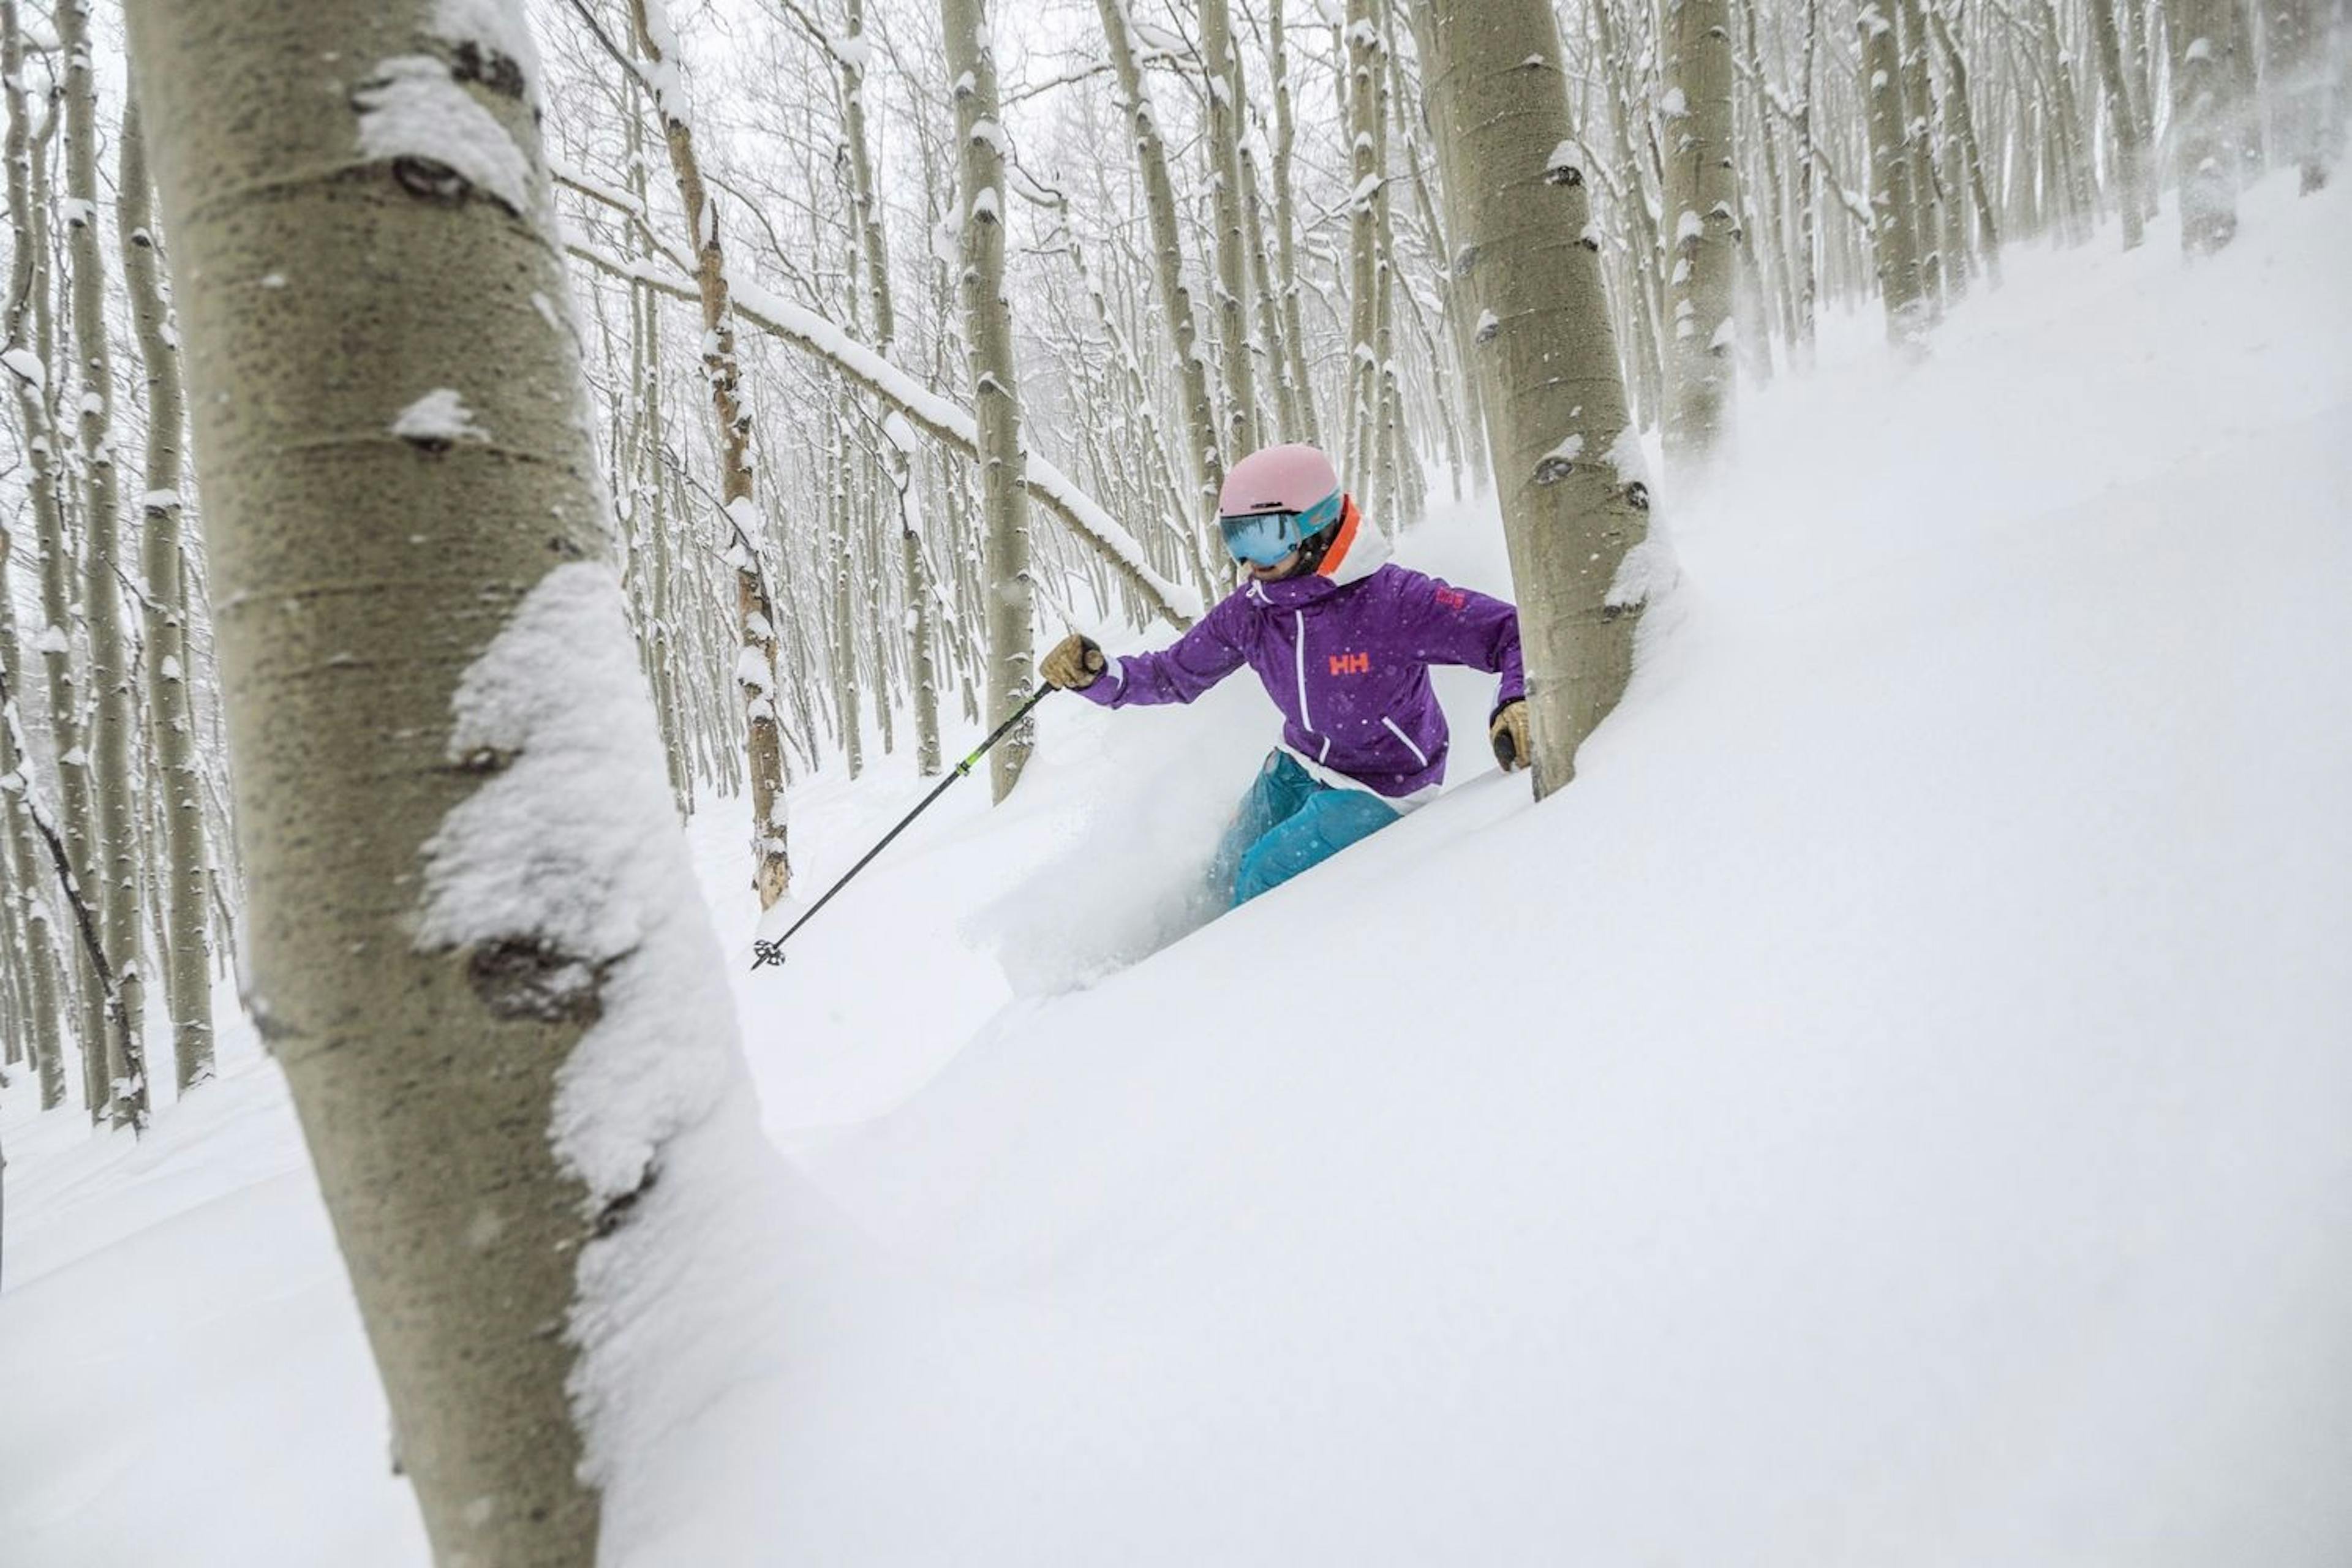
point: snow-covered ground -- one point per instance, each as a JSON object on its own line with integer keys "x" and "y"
{"x": 1895, "y": 1108}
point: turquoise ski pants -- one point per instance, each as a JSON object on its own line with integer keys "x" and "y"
{"x": 1290, "y": 821}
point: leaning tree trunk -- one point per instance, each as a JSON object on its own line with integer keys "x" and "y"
{"x": 996, "y": 388}
{"x": 470, "y": 905}
{"x": 1565, "y": 456}
{"x": 1955, "y": 74}
{"x": 172, "y": 721}
{"x": 755, "y": 666}
{"x": 1700, "y": 192}
{"x": 117, "y": 861}
{"x": 1207, "y": 469}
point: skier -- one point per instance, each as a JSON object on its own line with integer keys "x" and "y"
{"x": 1343, "y": 641}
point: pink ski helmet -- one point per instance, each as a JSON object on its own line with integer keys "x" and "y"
{"x": 1293, "y": 477}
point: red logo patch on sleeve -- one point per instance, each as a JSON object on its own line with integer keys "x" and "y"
{"x": 1454, "y": 598}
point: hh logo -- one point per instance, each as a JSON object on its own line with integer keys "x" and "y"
{"x": 1352, "y": 664}
{"x": 1454, "y": 598}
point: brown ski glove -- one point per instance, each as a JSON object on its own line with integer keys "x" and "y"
{"x": 1074, "y": 663}
{"x": 1509, "y": 731}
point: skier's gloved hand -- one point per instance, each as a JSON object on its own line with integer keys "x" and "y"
{"x": 1509, "y": 731}
{"x": 1074, "y": 664}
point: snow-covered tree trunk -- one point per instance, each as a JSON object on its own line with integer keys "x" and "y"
{"x": 851, "y": 52}
{"x": 995, "y": 385}
{"x": 27, "y": 375}
{"x": 1366, "y": 179}
{"x": 1956, "y": 72}
{"x": 2202, "y": 108}
{"x": 2302, "y": 61}
{"x": 117, "y": 887}
{"x": 28, "y": 927}
{"x": 171, "y": 719}
{"x": 1894, "y": 205}
{"x": 755, "y": 665}
{"x": 1918, "y": 105}
{"x": 1285, "y": 227}
{"x": 476, "y": 947}
{"x": 1225, "y": 112}
{"x": 2123, "y": 115}
{"x": 1566, "y": 458}
{"x": 1701, "y": 191}
{"x": 1207, "y": 467}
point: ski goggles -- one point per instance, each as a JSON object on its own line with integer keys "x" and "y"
{"x": 1264, "y": 538}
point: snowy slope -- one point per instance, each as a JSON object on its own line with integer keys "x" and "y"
{"x": 1892, "y": 1109}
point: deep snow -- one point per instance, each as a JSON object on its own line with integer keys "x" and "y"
{"x": 1893, "y": 1108}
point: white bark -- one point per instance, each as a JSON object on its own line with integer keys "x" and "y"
{"x": 1701, "y": 215}
{"x": 364, "y": 560}
{"x": 1565, "y": 456}
{"x": 996, "y": 384}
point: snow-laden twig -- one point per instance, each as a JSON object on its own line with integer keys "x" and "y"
{"x": 938, "y": 416}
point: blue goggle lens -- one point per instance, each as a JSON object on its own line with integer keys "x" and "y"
{"x": 1262, "y": 538}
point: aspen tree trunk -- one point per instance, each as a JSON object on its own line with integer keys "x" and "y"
{"x": 117, "y": 861}
{"x": 1565, "y": 456}
{"x": 1285, "y": 227}
{"x": 755, "y": 665}
{"x": 898, "y": 440}
{"x": 1971, "y": 153}
{"x": 1207, "y": 467}
{"x": 25, "y": 913}
{"x": 2201, "y": 116}
{"x": 1700, "y": 192}
{"x": 996, "y": 388}
{"x": 1644, "y": 277}
{"x": 844, "y": 630}
{"x": 1809, "y": 240}
{"x": 28, "y": 374}
{"x": 1892, "y": 203}
{"x": 376, "y": 535}
{"x": 1366, "y": 178}
{"x": 1217, "y": 59}
{"x": 1918, "y": 102}
{"x": 2298, "y": 47}
{"x": 1287, "y": 390}
{"x": 2123, "y": 114}
{"x": 172, "y": 726}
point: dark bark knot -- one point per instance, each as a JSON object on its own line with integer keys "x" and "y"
{"x": 1466, "y": 260}
{"x": 523, "y": 977}
{"x": 494, "y": 71}
{"x": 432, "y": 180}
{"x": 616, "y": 1213}
{"x": 1637, "y": 496}
{"x": 1566, "y": 174}
{"x": 432, "y": 446}
{"x": 1553, "y": 470}
{"x": 487, "y": 760}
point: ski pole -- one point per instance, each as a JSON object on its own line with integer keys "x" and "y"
{"x": 766, "y": 953}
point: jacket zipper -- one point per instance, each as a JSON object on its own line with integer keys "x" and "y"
{"x": 1305, "y": 723}
{"x": 1418, "y": 755}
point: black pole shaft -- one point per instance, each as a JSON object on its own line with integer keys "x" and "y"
{"x": 766, "y": 953}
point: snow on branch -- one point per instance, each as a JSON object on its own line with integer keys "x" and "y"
{"x": 941, "y": 418}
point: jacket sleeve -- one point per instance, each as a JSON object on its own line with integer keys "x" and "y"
{"x": 1180, "y": 672}
{"x": 1446, "y": 625}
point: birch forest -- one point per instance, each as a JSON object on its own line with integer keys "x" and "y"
{"x": 871, "y": 346}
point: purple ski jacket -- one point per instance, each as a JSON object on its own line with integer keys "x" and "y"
{"x": 1345, "y": 652}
